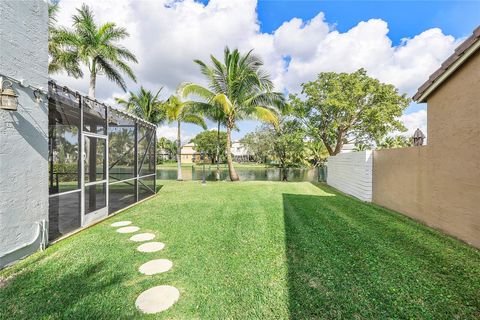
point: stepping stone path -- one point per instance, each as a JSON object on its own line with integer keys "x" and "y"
{"x": 128, "y": 229}
{"x": 155, "y": 266}
{"x": 157, "y": 299}
{"x": 142, "y": 237}
{"x": 121, "y": 223}
{"x": 151, "y": 247}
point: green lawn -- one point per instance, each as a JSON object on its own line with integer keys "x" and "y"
{"x": 253, "y": 250}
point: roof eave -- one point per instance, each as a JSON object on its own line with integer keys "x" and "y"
{"x": 423, "y": 93}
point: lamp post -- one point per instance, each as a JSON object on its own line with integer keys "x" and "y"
{"x": 202, "y": 157}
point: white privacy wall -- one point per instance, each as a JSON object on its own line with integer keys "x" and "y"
{"x": 351, "y": 173}
{"x": 23, "y": 133}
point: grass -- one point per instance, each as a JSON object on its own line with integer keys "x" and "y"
{"x": 253, "y": 250}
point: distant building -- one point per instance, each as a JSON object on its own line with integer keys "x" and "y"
{"x": 188, "y": 154}
{"x": 240, "y": 153}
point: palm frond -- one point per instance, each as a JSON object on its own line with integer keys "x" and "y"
{"x": 188, "y": 89}
{"x": 111, "y": 73}
{"x": 264, "y": 114}
{"x": 194, "y": 119}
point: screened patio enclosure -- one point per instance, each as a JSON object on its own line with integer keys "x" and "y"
{"x": 100, "y": 160}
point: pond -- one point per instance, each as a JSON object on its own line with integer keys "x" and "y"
{"x": 245, "y": 173}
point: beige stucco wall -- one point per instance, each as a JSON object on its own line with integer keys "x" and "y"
{"x": 439, "y": 184}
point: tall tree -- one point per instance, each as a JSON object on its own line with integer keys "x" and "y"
{"x": 288, "y": 143}
{"x": 349, "y": 107}
{"x": 257, "y": 144}
{"x": 145, "y": 105}
{"x": 316, "y": 152}
{"x": 59, "y": 58}
{"x": 181, "y": 111}
{"x": 167, "y": 146}
{"x": 95, "y": 46}
{"x": 207, "y": 141}
{"x": 241, "y": 88}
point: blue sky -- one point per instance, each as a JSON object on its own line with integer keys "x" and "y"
{"x": 405, "y": 20}
{"x": 296, "y": 39}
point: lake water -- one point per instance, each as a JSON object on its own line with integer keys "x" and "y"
{"x": 245, "y": 174}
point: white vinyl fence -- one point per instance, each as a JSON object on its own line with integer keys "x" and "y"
{"x": 351, "y": 173}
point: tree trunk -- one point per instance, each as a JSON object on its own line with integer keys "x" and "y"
{"x": 93, "y": 80}
{"x": 217, "y": 173}
{"x": 179, "y": 155}
{"x": 339, "y": 144}
{"x": 284, "y": 173}
{"x": 231, "y": 169}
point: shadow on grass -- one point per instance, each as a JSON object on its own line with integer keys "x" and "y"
{"x": 64, "y": 296}
{"x": 158, "y": 187}
{"x": 349, "y": 259}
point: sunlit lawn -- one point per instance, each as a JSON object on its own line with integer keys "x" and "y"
{"x": 253, "y": 250}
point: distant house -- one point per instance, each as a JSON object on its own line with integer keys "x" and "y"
{"x": 188, "y": 153}
{"x": 163, "y": 154}
{"x": 239, "y": 152}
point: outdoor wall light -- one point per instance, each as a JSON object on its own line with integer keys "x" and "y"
{"x": 8, "y": 97}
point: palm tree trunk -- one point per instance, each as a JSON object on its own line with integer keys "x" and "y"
{"x": 218, "y": 152}
{"x": 231, "y": 170}
{"x": 93, "y": 80}
{"x": 179, "y": 155}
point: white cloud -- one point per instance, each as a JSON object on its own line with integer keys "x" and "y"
{"x": 415, "y": 120}
{"x": 170, "y": 132}
{"x": 167, "y": 36}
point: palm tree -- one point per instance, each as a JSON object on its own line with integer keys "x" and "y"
{"x": 60, "y": 59}
{"x": 144, "y": 105}
{"x": 168, "y": 146}
{"x": 178, "y": 111}
{"x": 215, "y": 113}
{"x": 95, "y": 46}
{"x": 242, "y": 90}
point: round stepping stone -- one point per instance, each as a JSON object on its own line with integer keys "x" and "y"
{"x": 121, "y": 223}
{"x": 142, "y": 237}
{"x": 155, "y": 266}
{"x": 157, "y": 299}
{"x": 151, "y": 247}
{"x": 128, "y": 229}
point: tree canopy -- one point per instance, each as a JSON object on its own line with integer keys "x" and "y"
{"x": 340, "y": 108}
{"x": 206, "y": 141}
{"x": 145, "y": 105}
{"x": 96, "y": 46}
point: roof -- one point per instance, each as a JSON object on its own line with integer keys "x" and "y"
{"x": 52, "y": 85}
{"x": 459, "y": 56}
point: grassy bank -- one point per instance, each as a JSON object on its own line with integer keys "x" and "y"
{"x": 253, "y": 250}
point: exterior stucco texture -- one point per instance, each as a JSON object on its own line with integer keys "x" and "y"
{"x": 439, "y": 184}
{"x": 23, "y": 133}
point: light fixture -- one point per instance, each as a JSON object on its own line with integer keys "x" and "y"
{"x": 8, "y": 97}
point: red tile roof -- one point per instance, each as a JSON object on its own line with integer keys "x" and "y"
{"x": 457, "y": 54}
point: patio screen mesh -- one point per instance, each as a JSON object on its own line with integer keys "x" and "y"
{"x": 100, "y": 160}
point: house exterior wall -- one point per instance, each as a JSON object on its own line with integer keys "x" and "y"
{"x": 23, "y": 133}
{"x": 352, "y": 173}
{"x": 439, "y": 184}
